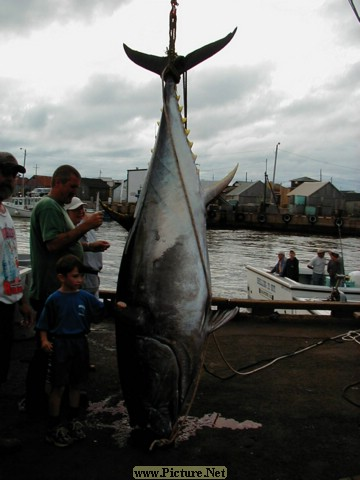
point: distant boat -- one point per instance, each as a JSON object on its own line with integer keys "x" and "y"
{"x": 263, "y": 285}
{"x": 21, "y": 206}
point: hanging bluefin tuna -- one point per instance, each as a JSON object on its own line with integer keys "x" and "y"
{"x": 164, "y": 276}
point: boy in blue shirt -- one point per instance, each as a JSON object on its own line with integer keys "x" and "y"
{"x": 63, "y": 326}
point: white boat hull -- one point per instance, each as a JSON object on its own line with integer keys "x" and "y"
{"x": 263, "y": 285}
{"x": 21, "y": 206}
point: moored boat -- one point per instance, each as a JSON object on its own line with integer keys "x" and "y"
{"x": 21, "y": 206}
{"x": 263, "y": 285}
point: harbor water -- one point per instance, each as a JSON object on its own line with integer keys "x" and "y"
{"x": 229, "y": 252}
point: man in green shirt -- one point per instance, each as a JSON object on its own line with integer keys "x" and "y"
{"x": 52, "y": 234}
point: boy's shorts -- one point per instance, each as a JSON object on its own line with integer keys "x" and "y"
{"x": 69, "y": 361}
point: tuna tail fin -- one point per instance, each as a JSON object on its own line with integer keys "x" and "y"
{"x": 214, "y": 190}
{"x": 180, "y": 64}
{"x": 203, "y": 53}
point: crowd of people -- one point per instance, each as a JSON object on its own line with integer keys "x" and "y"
{"x": 333, "y": 266}
{"x": 66, "y": 258}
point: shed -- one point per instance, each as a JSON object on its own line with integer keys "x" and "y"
{"x": 316, "y": 198}
{"x": 246, "y": 193}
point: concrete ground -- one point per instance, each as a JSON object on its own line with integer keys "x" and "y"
{"x": 289, "y": 421}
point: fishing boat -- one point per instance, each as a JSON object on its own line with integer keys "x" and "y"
{"x": 263, "y": 285}
{"x": 21, "y": 206}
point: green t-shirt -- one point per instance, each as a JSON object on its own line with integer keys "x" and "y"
{"x": 48, "y": 219}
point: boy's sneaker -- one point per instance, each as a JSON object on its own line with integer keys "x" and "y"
{"x": 76, "y": 430}
{"x": 59, "y": 436}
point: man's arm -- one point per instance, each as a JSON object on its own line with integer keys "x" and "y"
{"x": 62, "y": 240}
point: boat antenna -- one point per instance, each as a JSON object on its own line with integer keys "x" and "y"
{"x": 341, "y": 249}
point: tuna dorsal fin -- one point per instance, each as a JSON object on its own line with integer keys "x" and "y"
{"x": 180, "y": 64}
{"x": 215, "y": 189}
{"x": 220, "y": 317}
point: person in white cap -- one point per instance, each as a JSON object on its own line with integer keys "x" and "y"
{"x": 11, "y": 289}
{"x": 280, "y": 265}
{"x": 317, "y": 265}
{"x": 93, "y": 248}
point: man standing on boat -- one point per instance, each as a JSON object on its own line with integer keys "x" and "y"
{"x": 280, "y": 265}
{"x": 11, "y": 289}
{"x": 335, "y": 267}
{"x": 317, "y": 265}
{"x": 291, "y": 269}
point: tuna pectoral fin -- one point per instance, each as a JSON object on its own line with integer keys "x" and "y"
{"x": 216, "y": 188}
{"x": 220, "y": 317}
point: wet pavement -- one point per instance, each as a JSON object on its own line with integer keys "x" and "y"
{"x": 289, "y": 421}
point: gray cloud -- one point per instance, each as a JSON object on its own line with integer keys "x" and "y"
{"x": 235, "y": 113}
{"x": 22, "y": 16}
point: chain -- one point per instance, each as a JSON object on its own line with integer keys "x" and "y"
{"x": 172, "y": 30}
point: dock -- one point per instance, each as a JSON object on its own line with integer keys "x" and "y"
{"x": 269, "y": 307}
{"x": 274, "y": 414}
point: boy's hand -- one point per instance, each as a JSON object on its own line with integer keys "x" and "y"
{"x": 46, "y": 346}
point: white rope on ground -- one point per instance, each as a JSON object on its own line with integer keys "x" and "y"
{"x": 352, "y": 335}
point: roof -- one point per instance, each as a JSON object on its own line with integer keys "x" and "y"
{"x": 241, "y": 187}
{"x": 351, "y": 196}
{"x": 40, "y": 181}
{"x": 94, "y": 182}
{"x": 307, "y": 188}
{"x": 303, "y": 179}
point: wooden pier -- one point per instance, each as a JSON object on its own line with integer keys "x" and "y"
{"x": 270, "y": 307}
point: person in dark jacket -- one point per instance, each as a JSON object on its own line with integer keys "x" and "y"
{"x": 291, "y": 269}
{"x": 334, "y": 267}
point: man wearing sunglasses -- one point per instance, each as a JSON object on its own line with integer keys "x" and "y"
{"x": 11, "y": 289}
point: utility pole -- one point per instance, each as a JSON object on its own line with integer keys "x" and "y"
{"x": 23, "y": 175}
{"x": 276, "y": 153}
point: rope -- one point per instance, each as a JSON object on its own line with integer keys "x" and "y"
{"x": 185, "y": 96}
{"x": 180, "y": 421}
{"x": 181, "y": 177}
{"x": 341, "y": 248}
{"x": 349, "y": 336}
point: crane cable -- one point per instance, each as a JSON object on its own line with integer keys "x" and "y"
{"x": 172, "y": 52}
{"x": 354, "y": 9}
{"x": 172, "y": 30}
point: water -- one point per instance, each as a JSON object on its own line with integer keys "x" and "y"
{"x": 229, "y": 251}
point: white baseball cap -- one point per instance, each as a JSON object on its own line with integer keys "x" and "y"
{"x": 74, "y": 204}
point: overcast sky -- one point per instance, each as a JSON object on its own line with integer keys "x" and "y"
{"x": 291, "y": 75}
